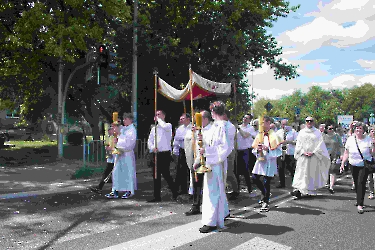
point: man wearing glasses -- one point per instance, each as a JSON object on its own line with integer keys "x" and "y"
{"x": 313, "y": 161}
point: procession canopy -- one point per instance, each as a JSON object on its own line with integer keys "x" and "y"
{"x": 202, "y": 88}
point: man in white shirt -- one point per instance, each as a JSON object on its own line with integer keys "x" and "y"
{"x": 286, "y": 160}
{"x": 162, "y": 151}
{"x": 245, "y": 159}
{"x": 229, "y": 165}
{"x": 182, "y": 175}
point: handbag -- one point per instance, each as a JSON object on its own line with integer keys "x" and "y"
{"x": 370, "y": 165}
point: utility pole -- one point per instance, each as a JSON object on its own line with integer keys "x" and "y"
{"x": 252, "y": 91}
{"x": 60, "y": 116}
{"x": 134, "y": 76}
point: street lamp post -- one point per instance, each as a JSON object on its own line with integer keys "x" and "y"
{"x": 134, "y": 77}
{"x": 252, "y": 91}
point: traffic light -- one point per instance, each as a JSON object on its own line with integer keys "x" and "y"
{"x": 103, "y": 56}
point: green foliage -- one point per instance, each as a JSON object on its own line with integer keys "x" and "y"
{"x": 323, "y": 105}
{"x": 221, "y": 39}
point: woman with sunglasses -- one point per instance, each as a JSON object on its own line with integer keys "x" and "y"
{"x": 335, "y": 149}
{"x": 312, "y": 161}
{"x": 357, "y": 148}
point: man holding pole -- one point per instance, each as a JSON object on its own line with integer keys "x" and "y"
{"x": 159, "y": 144}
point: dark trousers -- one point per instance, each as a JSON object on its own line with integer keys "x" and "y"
{"x": 264, "y": 187}
{"x": 360, "y": 175}
{"x": 107, "y": 171}
{"x": 244, "y": 163}
{"x": 163, "y": 164}
{"x": 183, "y": 173}
{"x": 197, "y": 190}
{"x": 289, "y": 164}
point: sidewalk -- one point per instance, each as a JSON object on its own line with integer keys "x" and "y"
{"x": 56, "y": 177}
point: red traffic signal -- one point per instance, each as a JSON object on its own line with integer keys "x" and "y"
{"x": 102, "y": 49}
{"x": 103, "y": 56}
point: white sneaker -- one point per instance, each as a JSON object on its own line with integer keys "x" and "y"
{"x": 371, "y": 196}
{"x": 265, "y": 207}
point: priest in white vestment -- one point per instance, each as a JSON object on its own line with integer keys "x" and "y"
{"x": 313, "y": 161}
{"x": 124, "y": 177}
{"x": 216, "y": 151}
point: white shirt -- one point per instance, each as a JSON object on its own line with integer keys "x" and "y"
{"x": 164, "y": 134}
{"x": 245, "y": 143}
{"x": 230, "y": 131}
{"x": 291, "y": 135}
{"x": 178, "y": 141}
{"x": 364, "y": 145}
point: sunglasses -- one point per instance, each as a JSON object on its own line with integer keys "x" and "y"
{"x": 309, "y": 120}
{"x": 330, "y": 128}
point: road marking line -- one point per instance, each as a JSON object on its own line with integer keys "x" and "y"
{"x": 168, "y": 239}
{"x": 258, "y": 243}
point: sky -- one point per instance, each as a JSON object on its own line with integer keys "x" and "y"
{"x": 332, "y": 41}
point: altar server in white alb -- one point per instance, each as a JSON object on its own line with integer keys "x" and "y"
{"x": 215, "y": 149}
{"x": 265, "y": 146}
{"x": 124, "y": 177}
{"x": 313, "y": 161}
{"x": 196, "y": 179}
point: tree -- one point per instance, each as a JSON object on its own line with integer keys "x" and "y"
{"x": 221, "y": 39}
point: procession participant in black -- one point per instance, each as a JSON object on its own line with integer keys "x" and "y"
{"x": 229, "y": 164}
{"x": 110, "y": 163}
{"x": 245, "y": 159}
{"x": 286, "y": 160}
{"x": 197, "y": 183}
{"x": 182, "y": 175}
{"x": 163, "y": 152}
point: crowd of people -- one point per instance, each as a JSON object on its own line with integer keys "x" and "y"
{"x": 257, "y": 149}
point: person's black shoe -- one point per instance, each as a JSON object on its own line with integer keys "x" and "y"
{"x": 193, "y": 211}
{"x": 206, "y": 229}
{"x": 296, "y": 193}
{"x": 155, "y": 200}
{"x": 233, "y": 196}
{"x": 96, "y": 190}
{"x": 226, "y": 217}
{"x": 280, "y": 186}
{"x": 331, "y": 190}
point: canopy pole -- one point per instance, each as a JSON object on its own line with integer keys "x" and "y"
{"x": 236, "y": 120}
{"x": 155, "y": 124}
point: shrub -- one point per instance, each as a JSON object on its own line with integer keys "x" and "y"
{"x": 74, "y": 138}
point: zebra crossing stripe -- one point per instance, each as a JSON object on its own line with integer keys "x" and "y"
{"x": 258, "y": 243}
{"x": 168, "y": 239}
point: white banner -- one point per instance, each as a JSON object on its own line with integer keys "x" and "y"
{"x": 344, "y": 120}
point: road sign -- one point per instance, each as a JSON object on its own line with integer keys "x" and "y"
{"x": 297, "y": 110}
{"x": 268, "y": 106}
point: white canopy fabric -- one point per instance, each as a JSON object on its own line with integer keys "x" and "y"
{"x": 202, "y": 87}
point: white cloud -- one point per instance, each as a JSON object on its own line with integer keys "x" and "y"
{"x": 350, "y": 4}
{"x": 367, "y": 79}
{"x": 340, "y": 80}
{"x": 368, "y": 65}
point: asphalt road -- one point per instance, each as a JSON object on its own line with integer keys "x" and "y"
{"x": 72, "y": 217}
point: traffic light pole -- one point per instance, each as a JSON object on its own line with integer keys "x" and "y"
{"x": 60, "y": 111}
{"x": 134, "y": 76}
